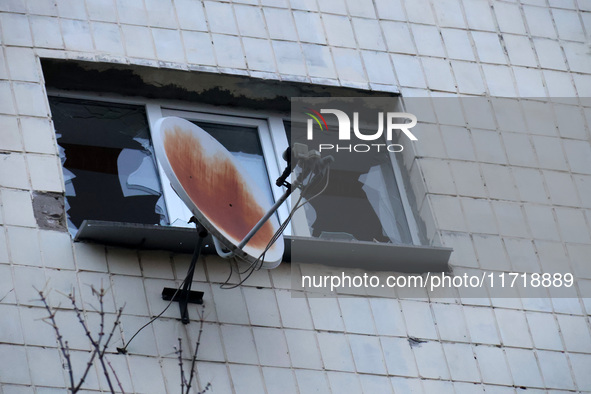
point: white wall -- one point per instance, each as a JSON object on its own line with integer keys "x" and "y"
{"x": 525, "y": 197}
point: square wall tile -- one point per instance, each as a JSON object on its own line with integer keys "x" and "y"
{"x": 101, "y": 10}
{"x": 482, "y": 325}
{"x": 509, "y": 18}
{"x": 310, "y": 381}
{"x": 544, "y": 331}
{"x": 107, "y": 38}
{"x": 303, "y": 349}
{"x": 575, "y": 332}
{"x": 514, "y": 328}
{"x": 280, "y": 24}
{"x": 419, "y": 11}
{"x": 250, "y": 21}
{"x": 550, "y": 54}
{"x": 229, "y": 51}
{"x": 428, "y": 40}
{"x": 138, "y": 41}
{"x": 18, "y": 208}
{"x": 449, "y": 13}
{"x": 56, "y": 249}
{"x": 220, "y": 17}
{"x": 336, "y": 352}
{"x": 230, "y": 305}
{"x": 568, "y": 24}
{"x": 439, "y": 76}
{"x": 280, "y": 381}
{"x": 399, "y": 356}
{"x": 488, "y": 47}
{"x": 190, "y": 15}
{"x": 468, "y": 77}
{"x": 462, "y": 362}
{"x": 520, "y": 50}
{"x": 450, "y": 322}
{"x": 161, "y": 13}
{"x": 524, "y": 368}
{"x": 198, "y": 47}
{"x": 30, "y": 99}
{"x": 555, "y": 370}
{"x": 22, "y": 64}
{"x": 368, "y": 34}
{"x": 431, "y": 360}
{"x": 419, "y": 319}
{"x": 493, "y": 365}
{"x": 367, "y": 353}
{"x": 23, "y": 243}
{"x": 168, "y": 45}
{"x": 16, "y": 30}
{"x": 76, "y": 34}
{"x": 239, "y": 344}
{"x": 271, "y": 347}
{"x": 262, "y": 306}
{"x": 357, "y": 315}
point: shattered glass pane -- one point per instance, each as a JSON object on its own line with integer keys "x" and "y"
{"x": 108, "y": 162}
{"x": 362, "y": 186}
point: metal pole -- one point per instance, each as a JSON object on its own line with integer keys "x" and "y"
{"x": 266, "y": 217}
{"x": 184, "y": 300}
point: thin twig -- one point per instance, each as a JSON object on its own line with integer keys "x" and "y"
{"x": 115, "y": 375}
{"x": 94, "y": 343}
{"x": 88, "y": 366}
{"x": 110, "y": 336}
{"x": 6, "y": 295}
{"x": 82, "y": 321}
{"x": 194, "y": 359}
{"x": 64, "y": 348}
{"x": 179, "y": 352}
{"x": 100, "y": 296}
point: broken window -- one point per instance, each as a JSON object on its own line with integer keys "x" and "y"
{"x": 361, "y": 201}
{"x": 110, "y": 169}
{"x": 108, "y": 162}
{"x": 111, "y": 173}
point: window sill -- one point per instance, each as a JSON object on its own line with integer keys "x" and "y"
{"x": 366, "y": 255}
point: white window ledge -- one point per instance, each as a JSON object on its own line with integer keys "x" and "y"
{"x": 357, "y": 254}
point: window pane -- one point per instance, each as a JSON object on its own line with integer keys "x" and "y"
{"x": 108, "y": 162}
{"x": 361, "y": 200}
{"x": 245, "y": 145}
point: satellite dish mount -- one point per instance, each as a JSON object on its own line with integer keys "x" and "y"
{"x": 224, "y": 199}
{"x": 184, "y": 295}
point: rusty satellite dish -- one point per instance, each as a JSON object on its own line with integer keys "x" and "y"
{"x": 219, "y": 192}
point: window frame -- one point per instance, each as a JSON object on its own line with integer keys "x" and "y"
{"x": 272, "y": 136}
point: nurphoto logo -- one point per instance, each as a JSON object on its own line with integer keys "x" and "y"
{"x": 393, "y": 121}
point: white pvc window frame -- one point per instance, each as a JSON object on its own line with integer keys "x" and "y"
{"x": 273, "y": 140}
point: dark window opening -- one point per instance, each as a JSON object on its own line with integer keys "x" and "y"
{"x": 108, "y": 162}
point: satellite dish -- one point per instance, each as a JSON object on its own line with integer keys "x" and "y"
{"x": 219, "y": 192}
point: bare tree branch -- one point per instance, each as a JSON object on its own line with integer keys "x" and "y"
{"x": 179, "y": 352}
{"x": 93, "y": 342}
{"x": 101, "y": 342}
{"x": 98, "y": 347}
{"x": 63, "y": 347}
{"x": 115, "y": 375}
{"x": 194, "y": 358}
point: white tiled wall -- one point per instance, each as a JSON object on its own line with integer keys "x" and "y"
{"x": 501, "y": 197}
